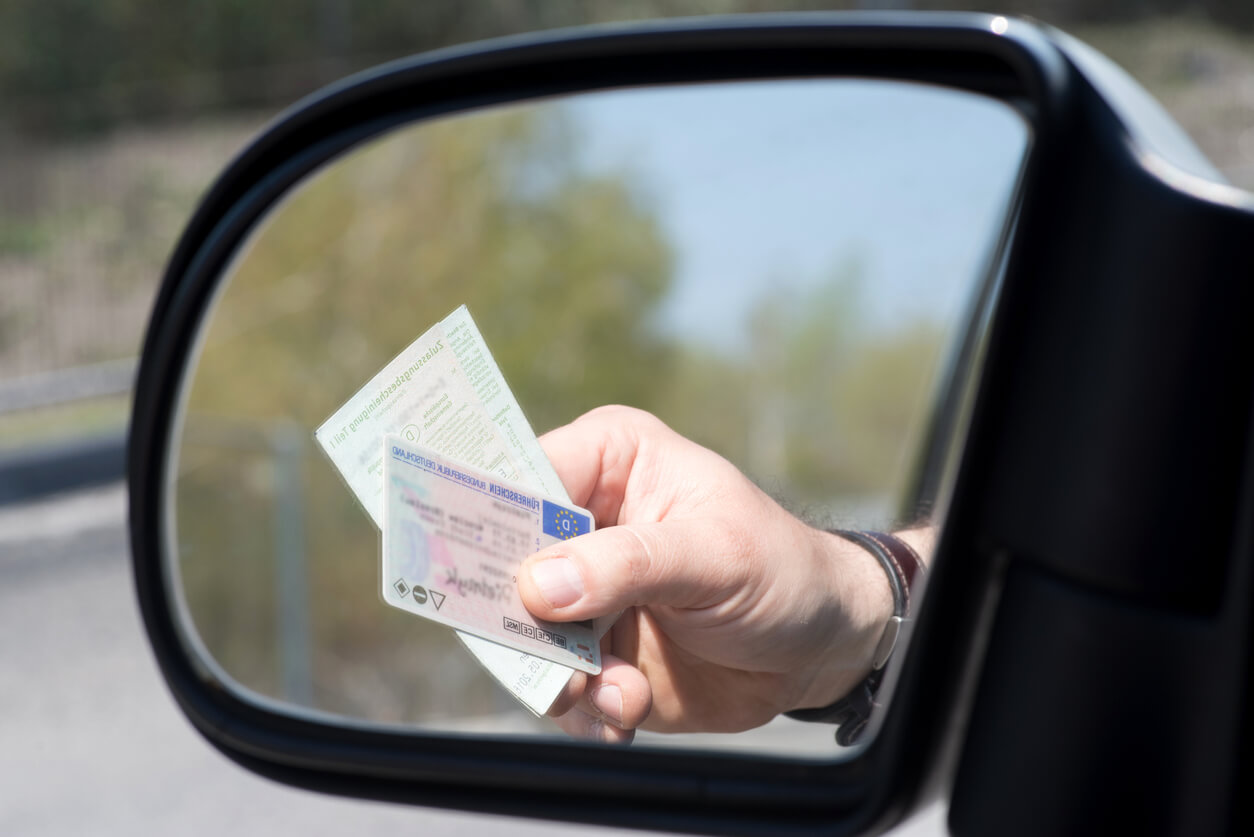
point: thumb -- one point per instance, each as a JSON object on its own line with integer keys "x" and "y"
{"x": 684, "y": 563}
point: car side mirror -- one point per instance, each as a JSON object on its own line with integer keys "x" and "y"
{"x": 971, "y": 228}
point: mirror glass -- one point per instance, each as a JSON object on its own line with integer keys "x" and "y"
{"x": 780, "y": 270}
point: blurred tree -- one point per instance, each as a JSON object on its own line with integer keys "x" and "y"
{"x": 817, "y": 406}
{"x": 561, "y": 269}
{"x": 837, "y": 407}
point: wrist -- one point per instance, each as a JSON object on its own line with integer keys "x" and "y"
{"x": 860, "y": 603}
{"x": 899, "y": 558}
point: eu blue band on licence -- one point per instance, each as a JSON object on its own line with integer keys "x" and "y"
{"x": 453, "y": 539}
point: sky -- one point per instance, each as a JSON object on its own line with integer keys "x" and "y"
{"x": 766, "y": 184}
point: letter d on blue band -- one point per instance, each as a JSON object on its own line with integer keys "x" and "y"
{"x": 564, "y": 524}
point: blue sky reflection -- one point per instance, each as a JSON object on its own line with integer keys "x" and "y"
{"x": 768, "y": 185}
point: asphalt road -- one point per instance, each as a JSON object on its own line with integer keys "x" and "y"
{"x": 90, "y": 740}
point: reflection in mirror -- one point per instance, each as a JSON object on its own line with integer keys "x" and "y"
{"x": 778, "y": 270}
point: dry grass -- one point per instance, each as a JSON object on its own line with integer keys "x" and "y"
{"x": 28, "y": 428}
{"x": 85, "y": 229}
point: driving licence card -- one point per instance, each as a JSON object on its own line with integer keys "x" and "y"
{"x": 453, "y": 538}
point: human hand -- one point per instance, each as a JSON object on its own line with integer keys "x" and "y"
{"x": 734, "y": 610}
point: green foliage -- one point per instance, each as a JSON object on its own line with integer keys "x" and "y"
{"x": 20, "y": 239}
{"x": 560, "y": 268}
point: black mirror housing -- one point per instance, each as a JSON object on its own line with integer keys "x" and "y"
{"x": 1100, "y": 519}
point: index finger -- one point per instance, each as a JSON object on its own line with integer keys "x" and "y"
{"x": 593, "y": 456}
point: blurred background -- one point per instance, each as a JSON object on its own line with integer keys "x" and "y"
{"x": 115, "y": 114}
{"x": 114, "y": 117}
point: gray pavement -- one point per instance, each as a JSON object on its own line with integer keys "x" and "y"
{"x": 91, "y": 742}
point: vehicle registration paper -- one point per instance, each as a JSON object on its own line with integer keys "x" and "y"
{"x": 446, "y": 390}
{"x": 453, "y": 538}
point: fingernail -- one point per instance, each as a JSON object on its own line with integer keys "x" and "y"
{"x": 558, "y": 580}
{"x": 608, "y": 700}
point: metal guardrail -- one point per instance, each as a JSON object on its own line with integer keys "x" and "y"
{"x": 55, "y": 467}
{"x": 40, "y": 471}
{"x": 64, "y": 386}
